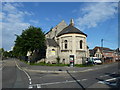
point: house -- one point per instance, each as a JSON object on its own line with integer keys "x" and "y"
{"x": 103, "y": 53}
{"x": 117, "y": 54}
{"x": 96, "y": 52}
{"x": 68, "y": 43}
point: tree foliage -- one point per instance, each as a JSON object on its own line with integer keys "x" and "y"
{"x": 31, "y": 39}
{"x": 58, "y": 60}
{"x": 5, "y": 54}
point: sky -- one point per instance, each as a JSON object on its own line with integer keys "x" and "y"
{"x": 99, "y": 20}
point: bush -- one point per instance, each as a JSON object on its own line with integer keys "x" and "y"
{"x": 83, "y": 65}
{"x": 58, "y": 60}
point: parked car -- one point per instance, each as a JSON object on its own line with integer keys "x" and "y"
{"x": 97, "y": 61}
{"x": 93, "y": 60}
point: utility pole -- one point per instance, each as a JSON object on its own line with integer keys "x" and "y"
{"x": 102, "y": 50}
{"x": 101, "y": 43}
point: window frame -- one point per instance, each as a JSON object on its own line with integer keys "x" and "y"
{"x": 81, "y": 44}
{"x": 65, "y": 44}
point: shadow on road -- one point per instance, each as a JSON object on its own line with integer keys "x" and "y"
{"x": 113, "y": 84}
{"x": 76, "y": 80}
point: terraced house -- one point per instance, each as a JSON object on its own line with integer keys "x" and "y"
{"x": 68, "y": 43}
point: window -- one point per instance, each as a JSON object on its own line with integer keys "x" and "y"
{"x": 65, "y": 44}
{"x": 53, "y": 49}
{"x": 81, "y": 44}
{"x": 98, "y": 55}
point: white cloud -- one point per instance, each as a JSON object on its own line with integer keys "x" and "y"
{"x": 95, "y": 13}
{"x": 34, "y": 21}
{"x": 12, "y": 23}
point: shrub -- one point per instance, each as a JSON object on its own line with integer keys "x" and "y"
{"x": 58, "y": 59}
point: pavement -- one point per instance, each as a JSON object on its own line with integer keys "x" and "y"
{"x": 60, "y": 69}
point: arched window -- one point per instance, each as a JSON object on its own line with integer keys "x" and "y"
{"x": 81, "y": 44}
{"x": 65, "y": 44}
{"x": 53, "y": 49}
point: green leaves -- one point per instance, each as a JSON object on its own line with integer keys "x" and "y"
{"x": 31, "y": 39}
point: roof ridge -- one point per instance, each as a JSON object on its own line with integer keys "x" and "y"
{"x": 71, "y": 29}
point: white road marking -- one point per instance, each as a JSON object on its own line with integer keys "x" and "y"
{"x": 87, "y": 70}
{"x": 103, "y": 82}
{"x": 39, "y": 85}
{"x": 111, "y": 79}
{"x": 30, "y": 81}
{"x": 30, "y": 86}
{"x": 107, "y": 81}
{"x": 1, "y": 66}
{"x": 104, "y": 76}
{"x": 83, "y": 79}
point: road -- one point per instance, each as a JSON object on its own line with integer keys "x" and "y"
{"x": 12, "y": 77}
{"x": 73, "y": 80}
{"x": 15, "y": 77}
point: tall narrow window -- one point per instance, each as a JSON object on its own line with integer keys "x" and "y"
{"x": 81, "y": 44}
{"x": 65, "y": 44}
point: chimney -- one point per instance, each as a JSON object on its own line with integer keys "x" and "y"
{"x": 71, "y": 22}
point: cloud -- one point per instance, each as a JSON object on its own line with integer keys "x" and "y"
{"x": 34, "y": 21}
{"x": 95, "y": 13}
{"x": 12, "y": 23}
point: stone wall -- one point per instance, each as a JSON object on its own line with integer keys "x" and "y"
{"x": 73, "y": 48}
{"x": 51, "y": 54}
{"x": 54, "y": 31}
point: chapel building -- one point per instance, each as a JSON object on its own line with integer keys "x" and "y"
{"x": 67, "y": 42}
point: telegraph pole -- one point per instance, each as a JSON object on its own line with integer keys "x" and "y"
{"x": 101, "y": 43}
{"x": 102, "y": 50}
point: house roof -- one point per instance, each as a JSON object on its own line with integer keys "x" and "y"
{"x": 70, "y": 29}
{"x": 104, "y": 49}
{"x": 51, "y": 42}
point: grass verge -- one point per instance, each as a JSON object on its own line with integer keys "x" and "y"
{"x": 46, "y": 64}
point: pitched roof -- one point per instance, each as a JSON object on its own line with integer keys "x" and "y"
{"x": 51, "y": 42}
{"x": 70, "y": 29}
{"x": 58, "y": 25}
{"x": 104, "y": 49}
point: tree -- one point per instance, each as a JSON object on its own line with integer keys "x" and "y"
{"x": 5, "y": 54}
{"x": 1, "y": 52}
{"x": 58, "y": 60}
{"x": 31, "y": 39}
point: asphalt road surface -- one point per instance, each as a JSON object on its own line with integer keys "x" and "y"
{"x": 12, "y": 77}
{"x": 15, "y": 77}
{"x": 74, "y": 80}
